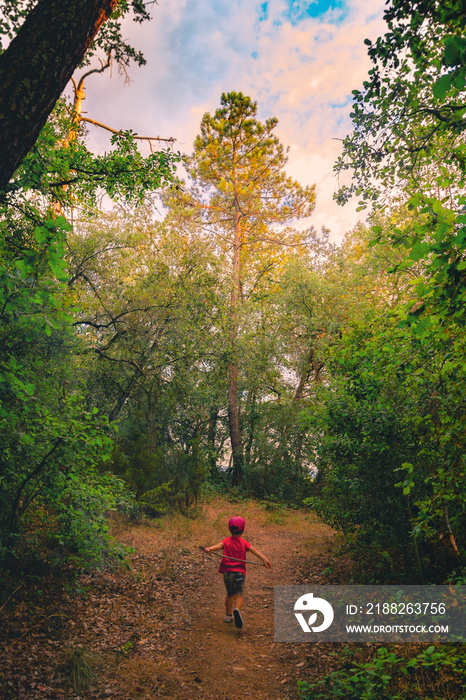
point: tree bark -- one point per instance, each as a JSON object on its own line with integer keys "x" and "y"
{"x": 311, "y": 365}
{"x": 251, "y": 430}
{"x": 233, "y": 407}
{"x": 36, "y": 67}
{"x": 213, "y": 418}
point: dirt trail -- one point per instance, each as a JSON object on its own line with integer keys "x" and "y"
{"x": 212, "y": 659}
{"x": 245, "y": 663}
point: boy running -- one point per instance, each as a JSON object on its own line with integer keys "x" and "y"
{"x": 234, "y": 572}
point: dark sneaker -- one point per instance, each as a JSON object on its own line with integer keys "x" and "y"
{"x": 238, "y": 618}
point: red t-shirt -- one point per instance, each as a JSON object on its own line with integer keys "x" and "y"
{"x": 235, "y": 547}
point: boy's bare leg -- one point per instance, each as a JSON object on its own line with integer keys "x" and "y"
{"x": 236, "y": 611}
{"x": 233, "y": 601}
{"x": 229, "y": 602}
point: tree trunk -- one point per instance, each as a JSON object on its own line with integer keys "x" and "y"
{"x": 314, "y": 365}
{"x": 211, "y": 435}
{"x": 124, "y": 395}
{"x": 233, "y": 419}
{"x": 233, "y": 407}
{"x": 36, "y": 67}
{"x": 251, "y": 430}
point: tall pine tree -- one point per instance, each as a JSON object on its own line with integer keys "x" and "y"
{"x": 243, "y": 196}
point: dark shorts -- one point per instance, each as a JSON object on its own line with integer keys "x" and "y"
{"x": 234, "y": 582}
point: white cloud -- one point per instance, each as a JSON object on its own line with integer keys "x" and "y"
{"x": 303, "y": 74}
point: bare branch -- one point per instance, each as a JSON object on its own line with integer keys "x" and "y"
{"x": 120, "y": 132}
{"x": 132, "y": 363}
{"x": 102, "y": 69}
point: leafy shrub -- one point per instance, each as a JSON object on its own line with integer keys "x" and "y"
{"x": 158, "y": 500}
{"x": 432, "y": 674}
{"x": 391, "y": 457}
{"x": 52, "y": 495}
{"x": 79, "y": 518}
{"x": 165, "y": 477}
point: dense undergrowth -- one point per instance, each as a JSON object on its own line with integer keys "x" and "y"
{"x": 436, "y": 672}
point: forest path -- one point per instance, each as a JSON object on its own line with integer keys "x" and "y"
{"x": 210, "y": 658}
{"x": 156, "y": 629}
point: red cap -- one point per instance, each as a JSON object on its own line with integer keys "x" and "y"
{"x": 236, "y": 524}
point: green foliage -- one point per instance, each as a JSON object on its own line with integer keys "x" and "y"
{"x": 242, "y": 200}
{"x": 368, "y": 681}
{"x": 409, "y": 141}
{"x": 278, "y": 464}
{"x": 76, "y": 523}
{"x": 155, "y": 308}
{"x": 61, "y": 166}
{"x": 51, "y": 438}
{"x": 240, "y": 156}
{"x": 276, "y": 511}
{"x": 159, "y": 500}
{"x": 149, "y": 300}
{"x": 55, "y": 432}
{"x": 163, "y": 477}
{"x": 391, "y": 459}
{"x": 410, "y": 111}
{"x": 51, "y": 496}
{"x": 53, "y": 500}
{"x": 432, "y": 241}
{"x": 432, "y": 673}
{"x": 359, "y": 453}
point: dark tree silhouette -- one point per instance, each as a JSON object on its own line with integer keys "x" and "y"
{"x": 36, "y": 67}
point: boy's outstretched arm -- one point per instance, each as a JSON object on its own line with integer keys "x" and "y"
{"x": 260, "y": 556}
{"x": 214, "y": 548}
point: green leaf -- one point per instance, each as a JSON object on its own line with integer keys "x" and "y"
{"x": 419, "y": 251}
{"x": 442, "y": 86}
{"x": 455, "y": 49}
{"x": 423, "y": 325}
{"x": 41, "y": 234}
{"x": 437, "y": 207}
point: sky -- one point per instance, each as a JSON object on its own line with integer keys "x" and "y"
{"x": 299, "y": 60}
